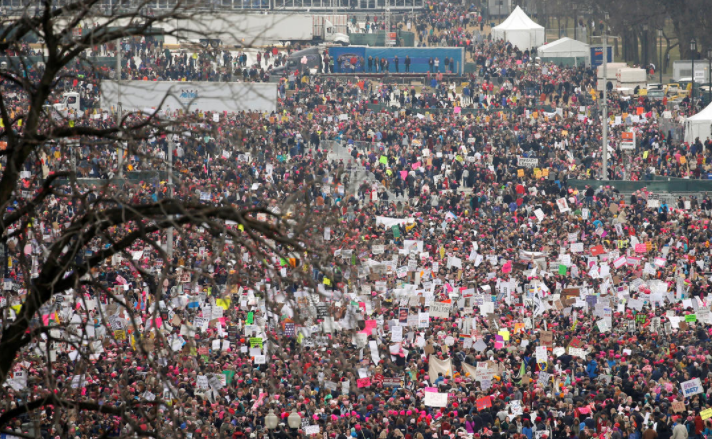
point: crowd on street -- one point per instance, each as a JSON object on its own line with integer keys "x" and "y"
{"x": 472, "y": 292}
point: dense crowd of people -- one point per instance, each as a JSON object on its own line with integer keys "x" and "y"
{"x": 473, "y": 291}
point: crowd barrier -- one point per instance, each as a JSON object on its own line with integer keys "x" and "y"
{"x": 678, "y": 185}
{"x": 132, "y": 177}
{"x": 380, "y": 107}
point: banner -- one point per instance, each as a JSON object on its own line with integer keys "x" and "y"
{"x": 389, "y": 222}
{"x": 469, "y": 370}
{"x": 437, "y": 366}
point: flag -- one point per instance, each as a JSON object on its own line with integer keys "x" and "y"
{"x": 522, "y": 371}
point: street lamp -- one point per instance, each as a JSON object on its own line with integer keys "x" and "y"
{"x": 693, "y": 48}
{"x": 271, "y": 420}
{"x": 294, "y": 420}
{"x": 660, "y": 54}
{"x": 604, "y": 104}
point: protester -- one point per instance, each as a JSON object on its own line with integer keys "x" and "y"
{"x": 473, "y": 291}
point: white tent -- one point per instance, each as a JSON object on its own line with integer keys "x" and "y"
{"x": 699, "y": 125}
{"x": 565, "y": 48}
{"x": 520, "y": 30}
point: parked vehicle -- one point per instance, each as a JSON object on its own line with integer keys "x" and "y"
{"x": 71, "y": 100}
{"x": 656, "y": 95}
{"x": 294, "y": 62}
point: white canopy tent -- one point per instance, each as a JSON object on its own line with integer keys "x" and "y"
{"x": 699, "y": 125}
{"x": 565, "y": 48}
{"x": 520, "y": 30}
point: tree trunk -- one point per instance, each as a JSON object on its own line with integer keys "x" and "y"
{"x": 566, "y": 26}
{"x": 684, "y": 35}
{"x": 666, "y": 56}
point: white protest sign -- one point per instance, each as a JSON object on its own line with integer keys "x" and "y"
{"x": 692, "y": 387}
{"x": 202, "y": 382}
{"x": 541, "y": 354}
{"x": 435, "y": 399}
{"x": 526, "y": 162}
{"x": 577, "y": 352}
{"x": 562, "y": 205}
{"x": 438, "y": 309}
{"x": 311, "y": 430}
{"x": 397, "y": 334}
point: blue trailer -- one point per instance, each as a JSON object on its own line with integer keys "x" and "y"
{"x": 354, "y": 59}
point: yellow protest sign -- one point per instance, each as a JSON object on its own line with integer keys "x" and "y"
{"x": 223, "y": 303}
{"x": 706, "y": 414}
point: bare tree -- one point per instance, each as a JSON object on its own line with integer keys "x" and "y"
{"x": 689, "y": 19}
{"x": 65, "y": 300}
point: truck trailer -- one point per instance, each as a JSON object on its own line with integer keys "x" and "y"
{"x": 171, "y": 96}
{"x": 259, "y": 30}
{"x": 611, "y": 72}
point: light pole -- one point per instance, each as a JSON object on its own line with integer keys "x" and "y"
{"x": 604, "y": 105}
{"x": 294, "y": 420}
{"x": 271, "y": 421}
{"x": 693, "y": 48}
{"x": 709, "y": 76}
{"x": 169, "y": 231}
{"x": 118, "y": 105}
{"x": 660, "y": 54}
